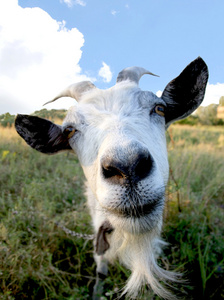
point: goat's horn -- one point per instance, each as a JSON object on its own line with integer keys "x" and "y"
{"x": 74, "y": 90}
{"x": 133, "y": 74}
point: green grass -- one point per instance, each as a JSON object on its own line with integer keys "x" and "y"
{"x": 39, "y": 261}
{"x": 194, "y": 219}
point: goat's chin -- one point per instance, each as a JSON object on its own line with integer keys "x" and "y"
{"x": 133, "y": 223}
{"x": 136, "y": 226}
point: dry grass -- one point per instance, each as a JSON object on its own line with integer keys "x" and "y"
{"x": 8, "y": 134}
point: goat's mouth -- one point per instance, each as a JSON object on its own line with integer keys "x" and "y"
{"x": 133, "y": 206}
{"x": 137, "y": 219}
{"x": 136, "y": 211}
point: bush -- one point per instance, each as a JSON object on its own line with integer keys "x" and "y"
{"x": 191, "y": 120}
{"x": 7, "y": 120}
{"x": 51, "y": 114}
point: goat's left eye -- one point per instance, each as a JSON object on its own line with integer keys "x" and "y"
{"x": 69, "y": 131}
{"x": 159, "y": 110}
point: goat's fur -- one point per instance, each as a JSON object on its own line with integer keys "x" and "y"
{"x": 120, "y": 142}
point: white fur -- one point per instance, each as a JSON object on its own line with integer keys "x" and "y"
{"x": 108, "y": 123}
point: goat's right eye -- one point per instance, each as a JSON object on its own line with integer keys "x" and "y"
{"x": 69, "y": 131}
{"x": 159, "y": 110}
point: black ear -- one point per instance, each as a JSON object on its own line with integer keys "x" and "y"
{"x": 41, "y": 134}
{"x": 186, "y": 92}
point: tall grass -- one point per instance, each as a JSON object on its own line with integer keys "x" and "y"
{"x": 39, "y": 261}
{"x": 195, "y": 208}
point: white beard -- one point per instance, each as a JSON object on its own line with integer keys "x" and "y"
{"x": 139, "y": 254}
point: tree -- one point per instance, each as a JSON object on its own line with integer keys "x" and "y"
{"x": 208, "y": 114}
{"x": 221, "y": 101}
{"x": 7, "y": 120}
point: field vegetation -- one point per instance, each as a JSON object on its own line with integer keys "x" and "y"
{"x": 38, "y": 260}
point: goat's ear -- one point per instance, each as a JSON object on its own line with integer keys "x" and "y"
{"x": 186, "y": 92}
{"x": 41, "y": 134}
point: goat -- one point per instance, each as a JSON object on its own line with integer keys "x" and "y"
{"x": 118, "y": 135}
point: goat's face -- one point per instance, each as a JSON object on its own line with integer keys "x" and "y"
{"x": 120, "y": 142}
{"x": 119, "y": 137}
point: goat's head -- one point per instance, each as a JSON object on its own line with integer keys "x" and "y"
{"x": 119, "y": 137}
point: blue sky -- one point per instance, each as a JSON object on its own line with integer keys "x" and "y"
{"x": 48, "y": 44}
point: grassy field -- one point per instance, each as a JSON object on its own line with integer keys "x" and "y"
{"x": 39, "y": 261}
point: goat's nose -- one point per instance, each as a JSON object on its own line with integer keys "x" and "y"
{"x": 132, "y": 169}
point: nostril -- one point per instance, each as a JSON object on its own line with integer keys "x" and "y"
{"x": 114, "y": 171}
{"x": 143, "y": 166}
{"x": 109, "y": 172}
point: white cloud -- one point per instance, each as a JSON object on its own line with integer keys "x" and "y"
{"x": 39, "y": 56}
{"x": 80, "y": 2}
{"x": 105, "y": 72}
{"x": 114, "y": 12}
{"x": 159, "y": 94}
{"x": 67, "y": 2}
{"x": 212, "y": 94}
{"x": 70, "y": 3}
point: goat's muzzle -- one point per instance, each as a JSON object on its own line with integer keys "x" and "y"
{"x": 134, "y": 197}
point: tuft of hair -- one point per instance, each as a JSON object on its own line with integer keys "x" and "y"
{"x": 139, "y": 254}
